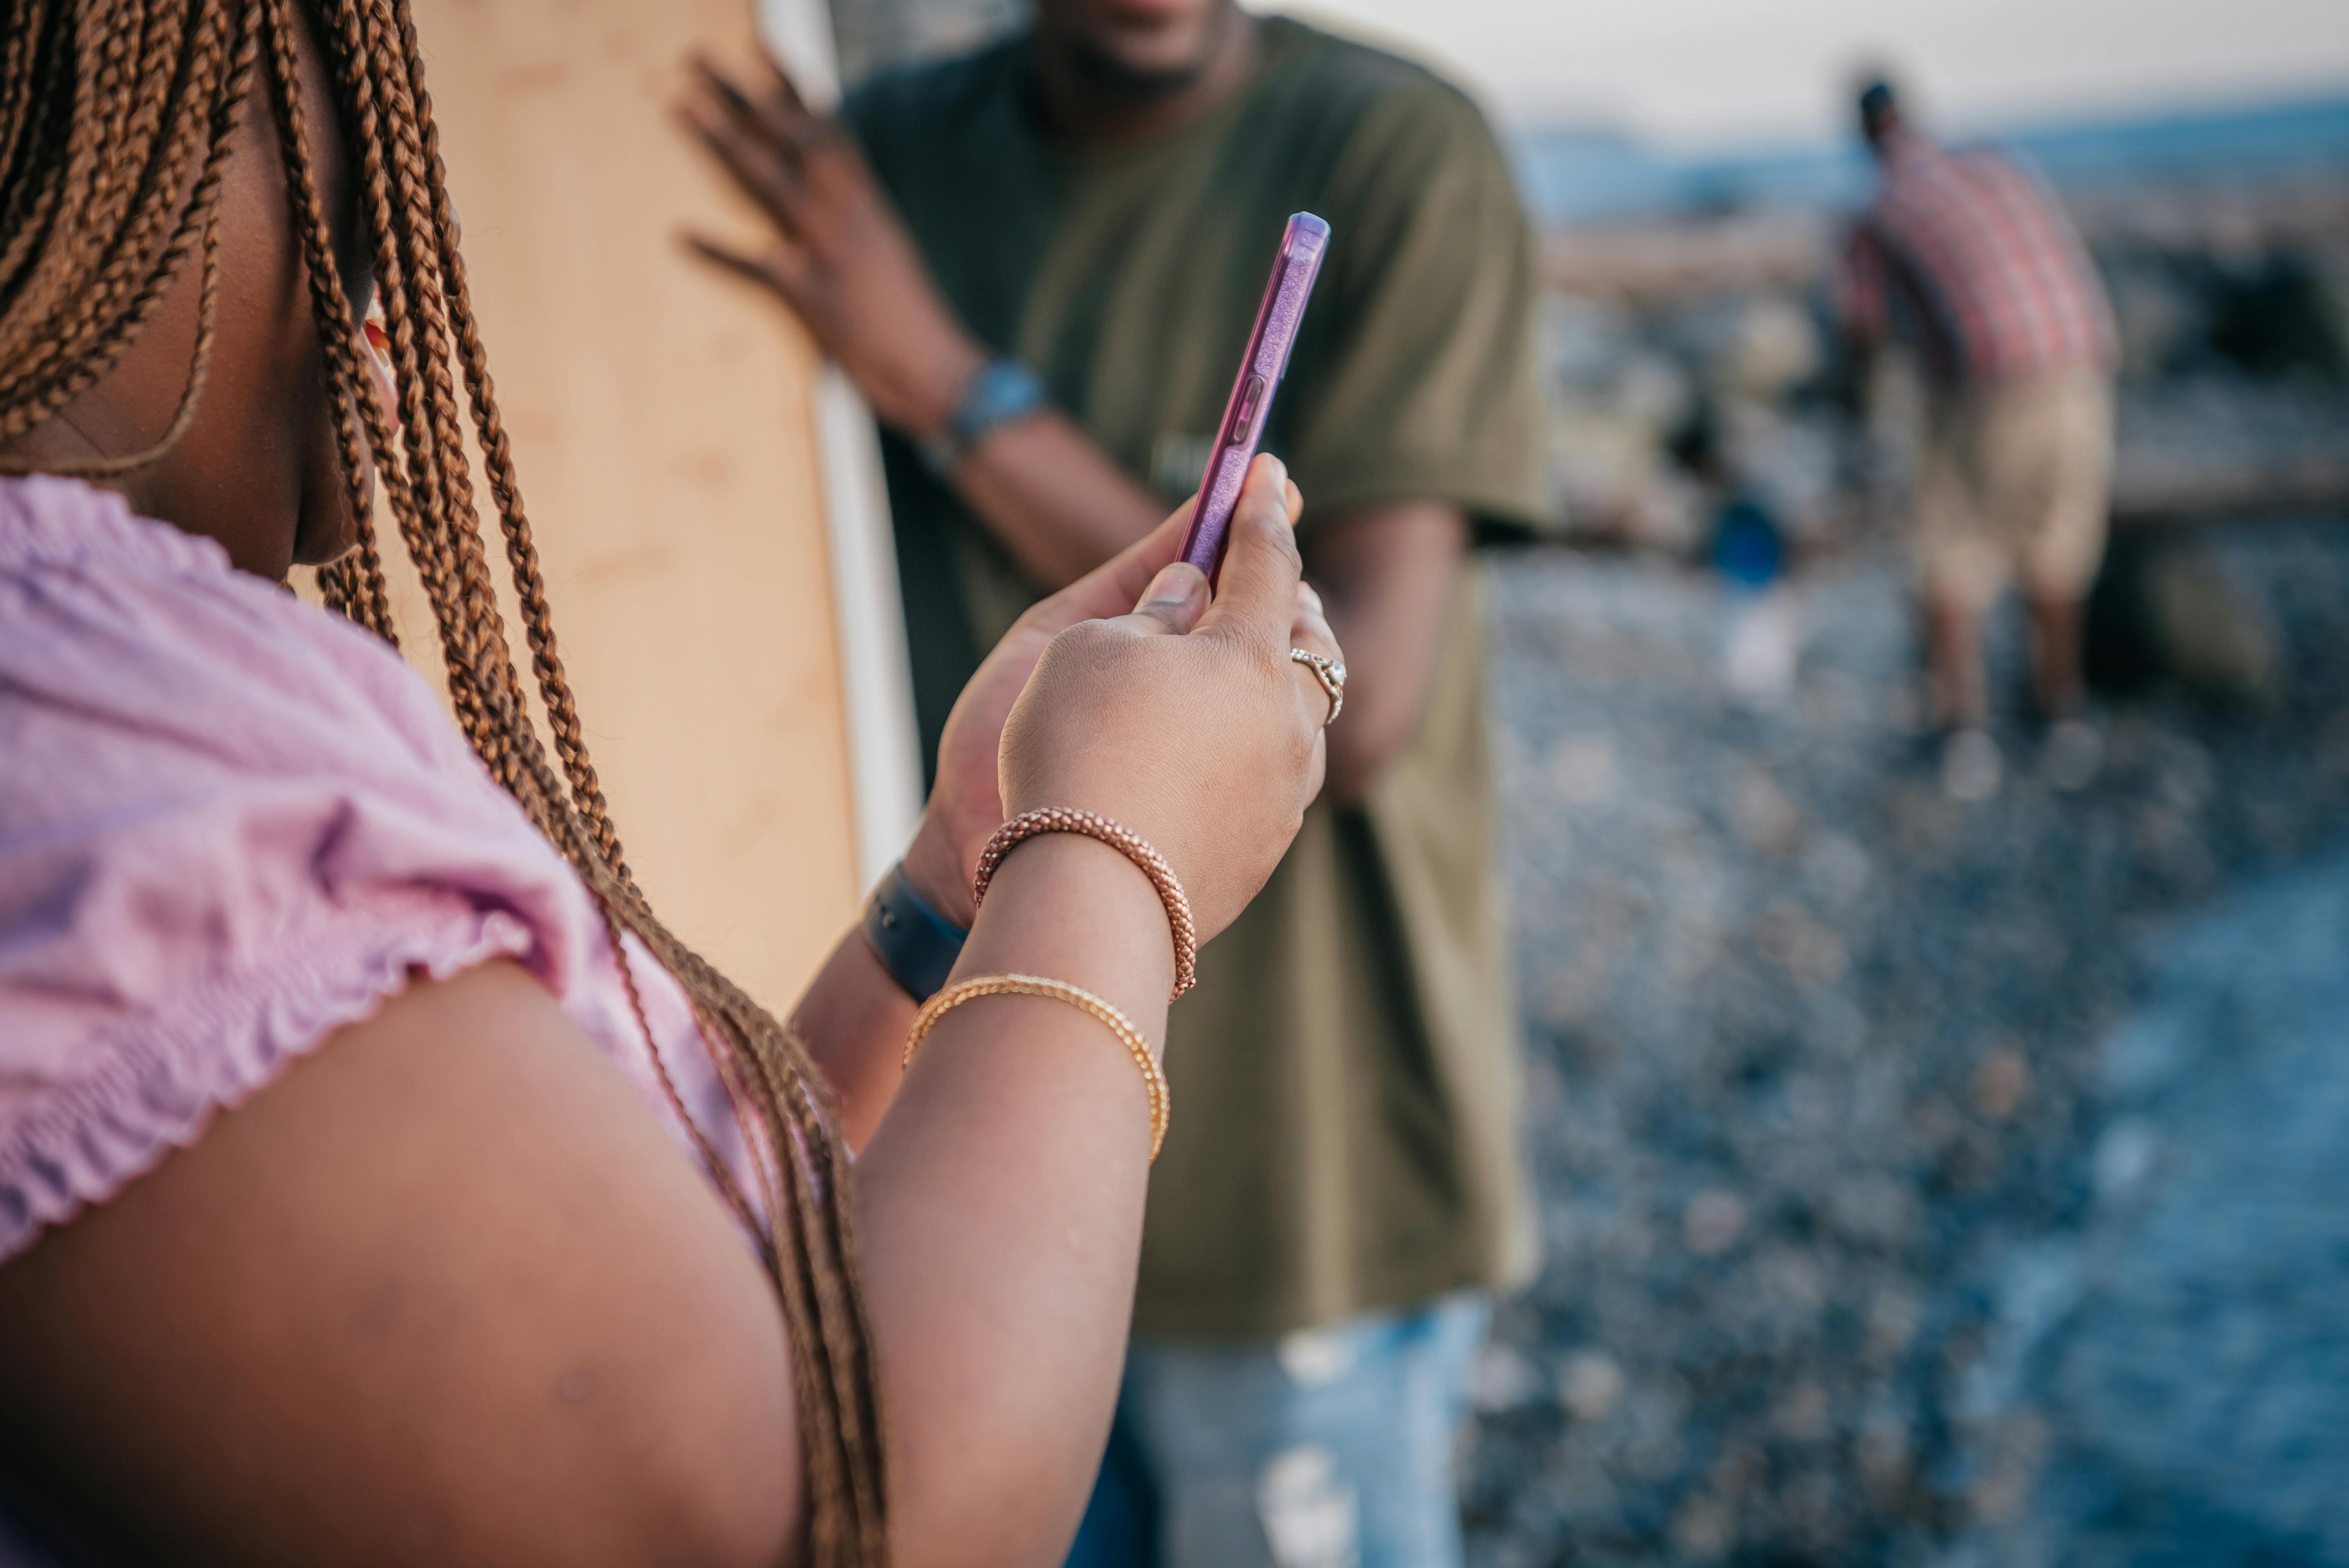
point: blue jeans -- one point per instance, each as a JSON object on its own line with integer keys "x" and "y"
{"x": 1327, "y": 1449}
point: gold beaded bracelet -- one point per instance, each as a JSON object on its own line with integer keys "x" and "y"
{"x": 1137, "y": 1045}
{"x": 1126, "y": 841}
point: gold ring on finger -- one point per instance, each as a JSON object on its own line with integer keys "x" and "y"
{"x": 1332, "y": 677}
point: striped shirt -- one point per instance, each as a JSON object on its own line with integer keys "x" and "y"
{"x": 1982, "y": 263}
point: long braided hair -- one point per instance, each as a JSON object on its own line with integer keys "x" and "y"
{"x": 117, "y": 119}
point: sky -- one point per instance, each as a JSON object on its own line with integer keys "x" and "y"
{"x": 1712, "y": 73}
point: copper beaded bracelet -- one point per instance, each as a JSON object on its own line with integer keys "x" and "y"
{"x": 1137, "y": 1045}
{"x": 1131, "y": 845}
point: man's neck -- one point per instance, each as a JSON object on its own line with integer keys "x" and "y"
{"x": 1080, "y": 109}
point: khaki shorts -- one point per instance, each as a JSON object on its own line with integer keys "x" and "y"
{"x": 2014, "y": 486}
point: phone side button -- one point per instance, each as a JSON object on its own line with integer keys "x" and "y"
{"x": 1243, "y": 417}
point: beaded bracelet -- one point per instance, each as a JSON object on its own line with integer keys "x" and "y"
{"x": 1136, "y": 1044}
{"x": 1131, "y": 845}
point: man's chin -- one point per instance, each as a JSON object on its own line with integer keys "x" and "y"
{"x": 1140, "y": 68}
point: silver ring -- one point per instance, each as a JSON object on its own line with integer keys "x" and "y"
{"x": 1332, "y": 677}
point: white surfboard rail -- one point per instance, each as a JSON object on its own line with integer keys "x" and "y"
{"x": 884, "y": 758}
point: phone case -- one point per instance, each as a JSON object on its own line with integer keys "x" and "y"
{"x": 1302, "y": 246}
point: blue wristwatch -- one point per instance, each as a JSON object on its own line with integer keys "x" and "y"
{"x": 915, "y": 942}
{"x": 1003, "y": 390}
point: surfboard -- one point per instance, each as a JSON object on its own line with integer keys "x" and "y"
{"x": 701, "y": 489}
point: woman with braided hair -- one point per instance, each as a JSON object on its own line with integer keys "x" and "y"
{"x": 380, "y": 1180}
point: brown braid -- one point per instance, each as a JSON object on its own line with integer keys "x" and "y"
{"x": 116, "y": 123}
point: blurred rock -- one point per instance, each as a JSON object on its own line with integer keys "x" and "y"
{"x": 1582, "y": 771}
{"x": 2165, "y": 608}
{"x": 1892, "y": 1321}
{"x": 2199, "y": 446}
{"x": 1762, "y": 644}
{"x": 1761, "y": 347}
{"x": 1503, "y": 1380}
{"x": 1878, "y": 1210}
{"x": 1713, "y": 1222}
{"x": 1704, "y": 1531}
{"x": 1794, "y": 461}
{"x": 2159, "y": 315}
{"x": 1801, "y": 1414}
{"x": 2279, "y": 317}
{"x": 2000, "y": 1082}
{"x": 1590, "y": 1385}
{"x": 2125, "y": 1153}
{"x": 1765, "y": 819}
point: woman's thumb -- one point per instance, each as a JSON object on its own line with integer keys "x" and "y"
{"x": 1175, "y": 598}
{"x": 1261, "y": 568}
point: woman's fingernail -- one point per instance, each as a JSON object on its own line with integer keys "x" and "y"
{"x": 1279, "y": 473}
{"x": 1175, "y": 585}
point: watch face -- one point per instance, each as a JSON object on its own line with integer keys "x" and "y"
{"x": 1005, "y": 390}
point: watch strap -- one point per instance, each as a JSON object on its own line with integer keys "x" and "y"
{"x": 1003, "y": 391}
{"x": 915, "y": 944}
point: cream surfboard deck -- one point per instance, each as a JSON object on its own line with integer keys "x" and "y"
{"x": 703, "y": 490}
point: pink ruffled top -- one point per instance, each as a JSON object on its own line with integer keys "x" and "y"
{"x": 230, "y": 823}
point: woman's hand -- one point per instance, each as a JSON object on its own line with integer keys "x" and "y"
{"x": 966, "y": 804}
{"x": 1187, "y": 721}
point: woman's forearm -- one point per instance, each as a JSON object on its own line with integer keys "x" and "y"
{"x": 854, "y": 1014}
{"x": 1000, "y": 1210}
{"x": 854, "y": 1018}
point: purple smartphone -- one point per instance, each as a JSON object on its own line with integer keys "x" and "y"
{"x": 1261, "y": 368}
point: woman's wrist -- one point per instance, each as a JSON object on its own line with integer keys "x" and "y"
{"x": 939, "y": 871}
{"x": 1143, "y": 854}
{"x": 1073, "y": 909}
{"x": 854, "y": 1018}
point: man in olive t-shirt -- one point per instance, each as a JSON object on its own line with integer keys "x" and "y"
{"x": 1046, "y": 313}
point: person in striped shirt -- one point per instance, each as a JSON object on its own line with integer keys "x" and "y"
{"x": 1969, "y": 259}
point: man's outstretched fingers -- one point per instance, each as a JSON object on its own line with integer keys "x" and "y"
{"x": 724, "y": 87}
{"x": 1261, "y": 566}
{"x": 757, "y": 169}
{"x": 777, "y": 269}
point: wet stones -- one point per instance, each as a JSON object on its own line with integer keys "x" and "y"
{"x": 1821, "y": 1107}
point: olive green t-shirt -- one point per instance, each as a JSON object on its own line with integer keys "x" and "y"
{"x": 1343, "y": 1075}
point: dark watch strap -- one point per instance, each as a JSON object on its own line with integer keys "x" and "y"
{"x": 1003, "y": 390}
{"x": 915, "y": 942}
